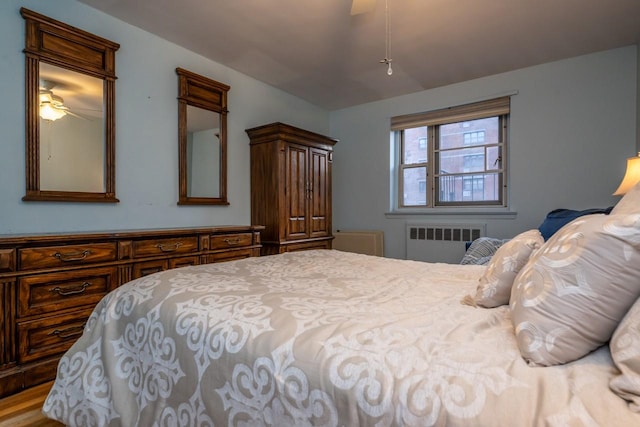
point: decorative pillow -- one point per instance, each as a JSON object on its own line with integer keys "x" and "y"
{"x": 630, "y": 202}
{"x": 570, "y": 296}
{"x": 481, "y": 250}
{"x": 558, "y": 218}
{"x": 494, "y": 287}
{"x": 625, "y": 351}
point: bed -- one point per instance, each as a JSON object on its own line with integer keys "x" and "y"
{"x": 319, "y": 338}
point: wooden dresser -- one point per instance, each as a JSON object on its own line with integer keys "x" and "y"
{"x": 291, "y": 187}
{"x": 49, "y": 285}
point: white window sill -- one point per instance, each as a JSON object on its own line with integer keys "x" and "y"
{"x": 489, "y": 213}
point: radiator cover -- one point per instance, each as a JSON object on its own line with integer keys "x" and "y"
{"x": 440, "y": 242}
{"x": 368, "y": 242}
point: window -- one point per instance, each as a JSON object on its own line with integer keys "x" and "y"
{"x": 473, "y": 138}
{"x": 452, "y": 157}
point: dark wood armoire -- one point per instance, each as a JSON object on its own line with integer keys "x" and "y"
{"x": 291, "y": 187}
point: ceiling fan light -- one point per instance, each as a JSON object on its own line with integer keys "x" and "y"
{"x": 45, "y": 97}
{"x": 48, "y": 112}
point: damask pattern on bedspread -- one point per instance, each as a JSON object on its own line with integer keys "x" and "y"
{"x": 322, "y": 338}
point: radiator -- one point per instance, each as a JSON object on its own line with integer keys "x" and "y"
{"x": 369, "y": 242}
{"x": 440, "y": 242}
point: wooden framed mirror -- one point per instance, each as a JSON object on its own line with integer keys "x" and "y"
{"x": 70, "y": 112}
{"x": 202, "y": 140}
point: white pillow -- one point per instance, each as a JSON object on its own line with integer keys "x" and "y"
{"x": 494, "y": 287}
{"x": 630, "y": 202}
{"x": 625, "y": 352}
{"x": 576, "y": 288}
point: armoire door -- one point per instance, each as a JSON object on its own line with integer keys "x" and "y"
{"x": 296, "y": 192}
{"x": 319, "y": 178}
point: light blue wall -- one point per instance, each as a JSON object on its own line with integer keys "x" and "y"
{"x": 573, "y": 124}
{"x": 146, "y": 137}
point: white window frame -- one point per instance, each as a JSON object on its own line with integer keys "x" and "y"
{"x": 499, "y": 107}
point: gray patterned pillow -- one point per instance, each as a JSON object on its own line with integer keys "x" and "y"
{"x": 625, "y": 351}
{"x": 494, "y": 286}
{"x": 576, "y": 288}
{"x": 481, "y": 250}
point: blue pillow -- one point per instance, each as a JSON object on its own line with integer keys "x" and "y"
{"x": 559, "y": 217}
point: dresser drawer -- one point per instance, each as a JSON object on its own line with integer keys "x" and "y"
{"x": 183, "y": 261}
{"x": 225, "y": 241}
{"x": 230, "y": 255}
{"x": 57, "y": 256}
{"x": 7, "y": 260}
{"x": 47, "y": 293}
{"x": 49, "y": 336}
{"x": 154, "y": 247}
{"x": 304, "y": 246}
{"x": 145, "y": 268}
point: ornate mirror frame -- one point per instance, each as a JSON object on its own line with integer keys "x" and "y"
{"x": 64, "y": 46}
{"x": 198, "y": 91}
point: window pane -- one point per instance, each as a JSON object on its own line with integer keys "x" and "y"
{"x": 469, "y": 133}
{"x": 415, "y": 146}
{"x": 463, "y": 160}
{"x": 415, "y": 186}
{"x": 469, "y": 188}
{"x": 494, "y": 158}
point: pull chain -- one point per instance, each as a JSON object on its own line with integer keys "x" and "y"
{"x": 387, "y": 58}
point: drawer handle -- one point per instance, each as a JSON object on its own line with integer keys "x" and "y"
{"x": 73, "y": 331}
{"x": 169, "y": 248}
{"x": 70, "y": 291}
{"x": 72, "y": 256}
{"x": 233, "y": 241}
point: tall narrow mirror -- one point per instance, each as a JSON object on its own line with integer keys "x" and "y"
{"x": 70, "y": 112}
{"x": 71, "y": 131}
{"x": 202, "y": 139}
{"x": 203, "y": 153}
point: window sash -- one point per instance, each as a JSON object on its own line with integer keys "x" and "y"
{"x": 441, "y": 179}
{"x": 440, "y": 184}
{"x": 401, "y": 187}
{"x": 416, "y": 166}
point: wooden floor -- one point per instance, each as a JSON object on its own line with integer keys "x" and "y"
{"x": 23, "y": 409}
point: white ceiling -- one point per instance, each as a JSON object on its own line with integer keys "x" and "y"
{"x": 316, "y": 50}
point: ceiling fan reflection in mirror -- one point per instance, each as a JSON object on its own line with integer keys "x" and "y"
{"x": 52, "y": 106}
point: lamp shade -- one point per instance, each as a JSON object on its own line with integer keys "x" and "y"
{"x": 631, "y": 176}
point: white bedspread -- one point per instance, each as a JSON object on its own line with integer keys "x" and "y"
{"x": 322, "y": 338}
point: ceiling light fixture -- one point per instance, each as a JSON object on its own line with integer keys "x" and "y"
{"x": 387, "y": 58}
{"x": 51, "y": 106}
{"x": 51, "y": 113}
